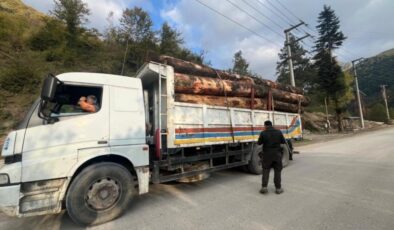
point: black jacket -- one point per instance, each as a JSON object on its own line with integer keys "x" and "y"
{"x": 271, "y": 139}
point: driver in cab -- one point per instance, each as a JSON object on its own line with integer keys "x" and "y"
{"x": 88, "y": 104}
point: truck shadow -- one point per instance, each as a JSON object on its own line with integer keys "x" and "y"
{"x": 160, "y": 195}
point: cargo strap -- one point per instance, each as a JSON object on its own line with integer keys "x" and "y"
{"x": 299, "y": 105}
{"x": 269, "y": 100}
{"x": 252, "y": 103}
{"x": 227, "y": 104}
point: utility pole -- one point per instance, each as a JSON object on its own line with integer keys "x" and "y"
{"x": 385, "y": 102}
{"x": 327, "y": 117}
{"x": 287, "y": 33}
{"x": 358, "y": 93}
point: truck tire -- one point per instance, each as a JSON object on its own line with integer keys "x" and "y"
{"x": 285, "y": 155}
{"x": 100, "y": 193}
{"x": 255, "y": 166}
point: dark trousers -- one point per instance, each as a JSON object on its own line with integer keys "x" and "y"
{"x": 276, "y": 164}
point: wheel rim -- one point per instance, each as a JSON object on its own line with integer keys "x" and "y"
{"x": 103, "y": 194}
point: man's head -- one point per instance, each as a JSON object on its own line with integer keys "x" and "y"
{"x": 268, "y": 123}
{"x": 91, "y": 99}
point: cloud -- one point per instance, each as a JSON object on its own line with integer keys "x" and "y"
{"x": 367, "y": 24}
{"x": 99, "y": 10}
{"x": 221, "y": 38}
{"x": 364, "y": 22}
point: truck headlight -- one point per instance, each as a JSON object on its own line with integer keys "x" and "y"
{"x": 4, "y": 179}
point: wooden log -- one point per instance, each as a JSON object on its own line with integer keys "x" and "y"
{"x": 187, "y": 67}
{"x": 236, "y": 102}
{"x": 287, "y": 107}
{"x": 189, "y": 84}
{"x": 291, "y": 98}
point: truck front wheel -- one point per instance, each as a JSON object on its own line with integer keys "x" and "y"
{"x": 100, "y": 193}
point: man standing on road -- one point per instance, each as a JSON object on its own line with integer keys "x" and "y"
{"x": 271, "y": 139}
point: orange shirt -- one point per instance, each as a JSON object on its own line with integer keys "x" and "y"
{"x": 87, "y": 107}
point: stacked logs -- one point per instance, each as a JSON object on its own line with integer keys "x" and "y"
{"x": 201, "y": 84}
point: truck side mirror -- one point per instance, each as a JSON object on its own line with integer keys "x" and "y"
{"x": 48, "y": 93}
{"x": 49, "y": 86}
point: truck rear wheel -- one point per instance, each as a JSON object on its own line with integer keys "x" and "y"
{"x": 100, "y": 193}
{"x": 285, "y": 155}
{"x": 255, "y": 166}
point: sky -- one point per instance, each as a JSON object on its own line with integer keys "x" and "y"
{"x": 254, "y": 26}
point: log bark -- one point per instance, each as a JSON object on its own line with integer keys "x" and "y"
{"x": 187, "y": 67}
{"x": 291, "y": 98}
{"x": 287, "y": 107}
{"x": 236, "y": 102}
{"x": 189, "y": 84}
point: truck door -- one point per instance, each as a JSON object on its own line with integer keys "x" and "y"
{"x": 50, "y": 150}
{"x": 127, "y": 116}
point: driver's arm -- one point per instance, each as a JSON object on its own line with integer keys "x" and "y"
{"x": 86, "y": 106}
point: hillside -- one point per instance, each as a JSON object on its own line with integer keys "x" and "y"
{"x": 376, "y": 71}
{"x": 17, "y": 23}
{"x": 33, "y": 44}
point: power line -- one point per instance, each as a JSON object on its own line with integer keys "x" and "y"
{"x": 262, "y": 14}
{"x": 256, "y": 19}
{"x": 288, "y": 10}
{"x": 239, "y": 24}
{"x": 274, "y": 12}
{"x": 290, "y": 20}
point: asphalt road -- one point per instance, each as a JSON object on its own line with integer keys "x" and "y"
{"x": 341, "y": 184}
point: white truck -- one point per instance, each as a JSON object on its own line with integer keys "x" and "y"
{"x": 92, "y": 164}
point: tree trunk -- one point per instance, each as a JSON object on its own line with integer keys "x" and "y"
{"x": 185, "y": 83}
{"x": 189, "y": 84}
{"x": 287, "y": 107}
{"x": 236, "y": 102}
{"x": 187, "y": 67}
{"x": 340, "y": 119}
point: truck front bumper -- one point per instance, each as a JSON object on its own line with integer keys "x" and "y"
{"x": 9, "y": 199}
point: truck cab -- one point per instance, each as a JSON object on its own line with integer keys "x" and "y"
{"x": 57, "y": 141}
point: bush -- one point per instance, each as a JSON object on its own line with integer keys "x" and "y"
{"x": 20, "y": 78}
{"x": 377, "y": 113}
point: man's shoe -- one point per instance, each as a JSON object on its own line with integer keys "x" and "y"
{"x": 279, "y": 190}
{"x": 263, "y": 190}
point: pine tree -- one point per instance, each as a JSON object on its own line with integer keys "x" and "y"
{"x": 240, "y": 64}
{"x": 330, "y": 76}
{"x": 304, "y": 73}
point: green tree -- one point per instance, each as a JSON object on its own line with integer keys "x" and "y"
{"x": 51, "y": 35}
{"x": 330, "y": 76}
{"x": 74, "y": 13}
{"x": 137, "y": 35}
{"x": 136, "y": 25}
{"x": 170, "y": 40}
{"x": 240, "y": 64}
{"x": 304, "y": 72}
{"x": 330, "y": 36}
